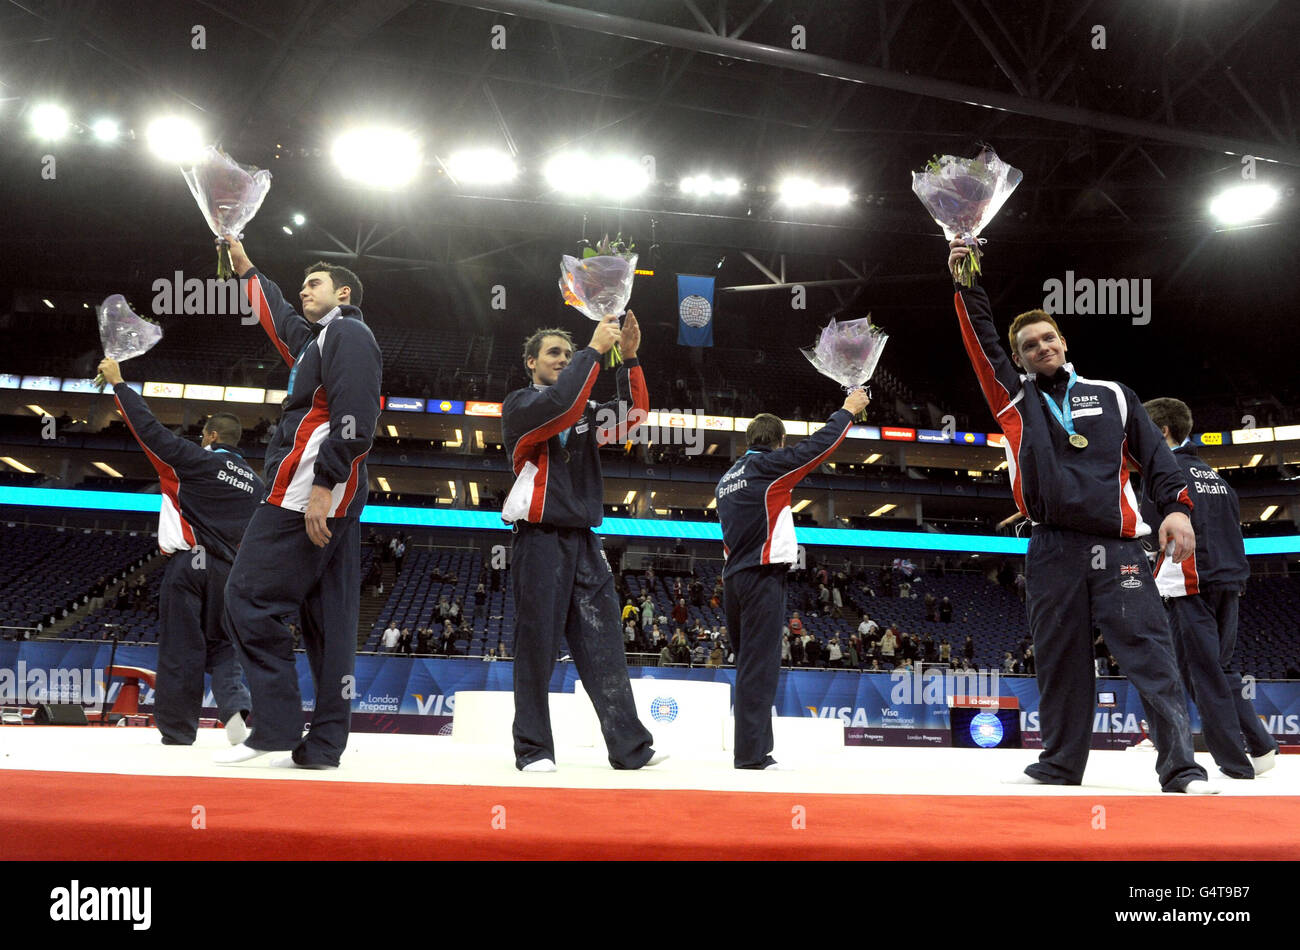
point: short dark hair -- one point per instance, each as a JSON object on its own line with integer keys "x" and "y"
{"x": 765, "y": 429}
{"x": 1173, "y": 413}
{"x": 341, "y": 277}
{"x": 227, "y": 426}
{"x": 533, "y": 345}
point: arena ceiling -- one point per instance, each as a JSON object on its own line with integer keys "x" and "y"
{"x": 1121, "y": 150}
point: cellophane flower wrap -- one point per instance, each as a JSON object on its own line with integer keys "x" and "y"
{"x": 123, "y": 333}
{"x": 229, "y": 195}
{"x": 600, "y": 287}
{"x": 848, "y": 352}
{"x": 963, "y": 195}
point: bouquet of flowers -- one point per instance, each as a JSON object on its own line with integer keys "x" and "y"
{"x": 963, "y": 195}
{"x": 600, "y": 284}
{"x": 124, "y": 334}
{"x": 229, "y": 195}
{"x": 848, "y": 352}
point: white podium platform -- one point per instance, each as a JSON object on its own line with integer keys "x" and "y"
{"x": 685, "y": 717}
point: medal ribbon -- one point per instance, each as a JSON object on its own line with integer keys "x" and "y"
{"x": 1064, "y": 418}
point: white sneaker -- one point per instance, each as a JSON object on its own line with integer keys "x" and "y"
{"x": 541, "y": 765}
{"x": 236, "y": 729}
{"x": 240, "y": 753}
{"x": 1263, "y": 763}
{"x": 1200, "y": 787}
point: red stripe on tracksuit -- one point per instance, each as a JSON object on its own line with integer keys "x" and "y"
{"x": 997, "y": 397}
{"x": 637, "y": 415}
{"x": 320, "y": 412}
{"x": 167, "y": 478}
{"x": 257, "y": 299}
{"x": 532, "y": 445}
{"x": 351, "y": 490}
{"x": 1128, "y": 515}
{"x": 777, "y": 496}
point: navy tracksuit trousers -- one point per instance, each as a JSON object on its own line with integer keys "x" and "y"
{"x": 1205, "y": 635}
{"x": 278, "y": 571}
{"x": 563, "y": 588}
{"x": 192, "y": 641}
{"x": 754, "y": 599}
{"x": 1074, "y": 582}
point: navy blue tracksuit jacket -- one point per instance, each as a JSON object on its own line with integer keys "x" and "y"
{"x": 208, "y": 495}
{"x": 754, "y": 497}
{"x": 325, "y": 432}
{"x": 1085, "y": 566}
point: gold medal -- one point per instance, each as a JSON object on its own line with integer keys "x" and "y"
{"x": 1078, "y": 441}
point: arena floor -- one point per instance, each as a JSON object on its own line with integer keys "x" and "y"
{"x": 90, "y": 793}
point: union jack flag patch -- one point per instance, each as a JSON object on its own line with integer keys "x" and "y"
{"x": 1128, "y": 569}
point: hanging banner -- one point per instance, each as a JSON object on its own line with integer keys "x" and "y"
{"x": 694, "y": 310}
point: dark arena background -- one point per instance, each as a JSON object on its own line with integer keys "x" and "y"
{"x": 450, "y": 154}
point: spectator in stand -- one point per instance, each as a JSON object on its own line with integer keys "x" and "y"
{"x": 679, "y": 649}
{"x": 448, "y": 638}
{"x": 812, "y": 651}
{"x": 1027, "y": 661}
{"x": 455, "y": 611}
{"x": 904, "y": 666}
{"x": 715, "y": 601}
{"x": 480, "y": 603}
{"x": 889, "y": 645}
{"x": 399, "y": 554}
{"x": 945, "y": 651}
{"x": 647, "y": 614}
{"x": 665, "y": 655}
{"x": 716, "y": 655}
{"x": 629, "y": 635}
{"x": 391, "y": 636}
{"x": 931, "y": 609}
{"x": 1112, "y": 666}
{"x": 629, "y": 609}
{"x": 867, "y": 629}
{"x": 679, "y": 612}
{"x": 1020, "y": 585}
{"x": 422, "y": 636}
{"x": 796, "y": 649}
{"x": 875, "y": 666}
{"x": 855, "y": 653}
{"x": 785, "y": 648}
{"x": 443, "y": 611}
{"x": 375, "y": 577}
{"x": 945, "y": 610}
{"x": 823, "y": 599}
{"x": 700, "y": 652}
{"x": 905, "y": 590}
{"x": 1099, "y": 653}
{"x": 404, "y": 641}
{"x": 657, "y": 639}
{"x": 834, "y": 653}
{"x": 1008, "y": 663}
{"x": 796, "y": 625}
{"x": 968, "y": 648}
{"x": 502, "y": 653}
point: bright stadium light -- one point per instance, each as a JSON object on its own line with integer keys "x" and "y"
{"x": 1243, "y": 203}
{"x": 14, "y": 463}
{"x": 174, "y": 138}
{"x": 49, "y": 121}
{"x": 836, "y": 196}
{"x": 482, "y": 166}
{"x": 379, "y": 157}
{"x": 106, "y": 130}
{"x": 299, "y": 220}
{"x": 798, "y": 191}
{"x": 705, "y": 185}
{"x": 1268, "y": 512}
{"x": 609, "y": 177}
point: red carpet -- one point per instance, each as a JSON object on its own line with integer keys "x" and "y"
{"x": 77, "y": 816}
